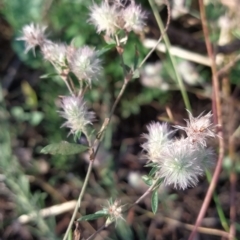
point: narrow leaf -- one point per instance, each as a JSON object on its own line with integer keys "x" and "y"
{"x": 48, "y": 75}
{"x": 92, "y": 216}
{"x": 154, "y": 201}
{"x": 147, "y": 180}
{"x": 63, "y": 148}
{"x": 106, "y": 48}
{"x": 153, "y": 171}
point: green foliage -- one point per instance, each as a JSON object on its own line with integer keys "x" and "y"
{"x": 64, "y": 148}
{"x": 94, "y": 216}
{"x": 154, "y": 201}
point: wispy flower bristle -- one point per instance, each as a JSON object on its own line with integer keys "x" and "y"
{"x": 85, "y": 64}
{"x": 199, "y": 129}
{"x": 180, "y": 162}
{"x": 158, "y": 137}
{"x": 110, "y": 18}
{"x": 33, "y": 36}
{"x": 76, "y": 114}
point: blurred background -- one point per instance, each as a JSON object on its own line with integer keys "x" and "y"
{"x": 29, "y": 120}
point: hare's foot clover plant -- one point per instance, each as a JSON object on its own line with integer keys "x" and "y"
{"x": 177, "y": 162}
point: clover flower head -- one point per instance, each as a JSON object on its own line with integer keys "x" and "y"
{"x": 85, "y": 64}
{"x": 134, "y": 17}
{"x": 179, "y": 165}
{"x": 114, "y": 211}
{"x": 76, "y": 114}
{"x": 199, "y": 129}
{"x": 158, "y": 137}
{"x": 33, "y": 36}
{"x": 105, "y": 18}
{"x": 55, "y": 53}
{"x": 206, "y": 157}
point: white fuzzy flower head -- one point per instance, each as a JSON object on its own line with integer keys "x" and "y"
{"x": 76, "y": 114}
{"x": 157, "y": 138}
{"x": 134, "y": 17}
{"x": 85, "y": 64}
{"x": 56, "y": 54}
{"x": 206, "y": 157}
{"x": 33, "y": 36}
{"x": 179, "y": 165}
{"x": 199, "y": 129}
{"x": 114, "y": 211}
{"x": 105, "y": 18}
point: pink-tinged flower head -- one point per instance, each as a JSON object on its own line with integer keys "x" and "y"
{"x": 85, "y": 64}
{"x": 133, "y": 17}
{"x": 105, "y": 18}
{"x": 158, "y": 137}
{"x": 179, "y": 165}
{"x": 114, "y": 211}
{"x": 56, "y": 54}
{"x": 33, "y": 36}
{"x": 199, "y": 129}
{"x": 76, "y": 114}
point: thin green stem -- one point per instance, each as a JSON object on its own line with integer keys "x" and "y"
{"x": 160, "y": 38}
{"x": 218, "y": 206}
{"x": 79, "y": 199}
{"x": 172, "y": 59}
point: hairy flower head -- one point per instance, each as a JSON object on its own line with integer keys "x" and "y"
{"x": 85, "y": 64}
{"x": 33, "y": 36}
{"x": 206, "y": 157}
{"x": 158, "y": 137}
{"x": 179, "y": 165}
{"x": 76, "y": 114}
{"x": 56, "y": 54}
{"x": 105, "y": 18}
{"x": 199, "y": 129}
{"x": 133, "y": 17}
{"x": 114, "y": 211}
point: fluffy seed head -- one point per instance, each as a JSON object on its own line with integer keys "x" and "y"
{"x": 133, "y": 17}
{"x": 105, "y": 18}
{"x": 33, "y": 36}
{"x": 85, "y": 64}
{"x": 199, "y": 129}
{"x": 56, "y": 54}
{"x": 158, "y": 137}
{"x": 179, "y": 166}
{"x": 76, "y": 114}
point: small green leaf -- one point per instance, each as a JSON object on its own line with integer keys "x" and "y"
{"x": 48, "y": 75}
{"x": 154, "y": 201}
{"x": 147, "y": 180}
{"x": 92, "y": 216}
{"x": 153, "y": 171}
{"x": 136, "y": 74}
{"x": 106, "y": 49}
{"x": 63, "y": 148}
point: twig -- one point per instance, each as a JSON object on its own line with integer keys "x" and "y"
{"x": 218, "y": 120}
{"x": 228, "y": 66}
{"x": 233, "y": 182}
{"x": 47, "y": 212}
{"x": 172, "y": 59}
{"x": 160, "y": 38}
{"x": 179, "y": 52}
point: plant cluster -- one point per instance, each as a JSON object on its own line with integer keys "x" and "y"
{"x": 177, "y": 162}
